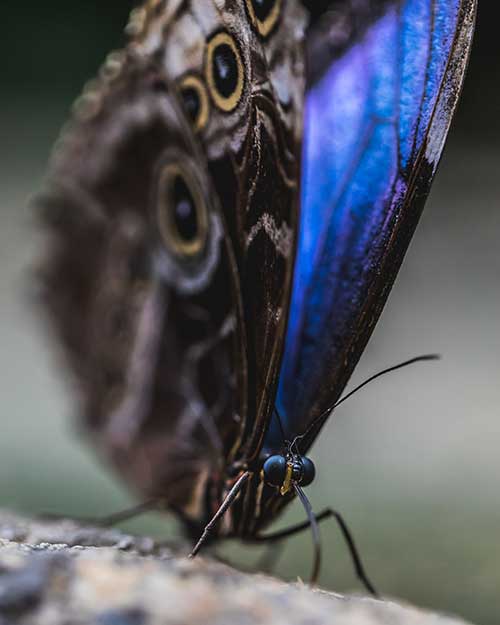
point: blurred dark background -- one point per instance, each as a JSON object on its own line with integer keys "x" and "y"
{"x": 413, "y": 462}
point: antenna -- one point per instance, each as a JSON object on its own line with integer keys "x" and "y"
{"x": 319, "y": 419}
{"x": 280, "y": 423}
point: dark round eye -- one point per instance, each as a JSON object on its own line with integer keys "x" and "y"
{"x": 264, "y": 14}
{"x": 224, "y": 71}
{"x": 195, "y": 99}
{"x": 184, "y": 209}
{"x": 182, "y": 213}
{"x": 308, "y": 471}
{"x": 275, "y": 470}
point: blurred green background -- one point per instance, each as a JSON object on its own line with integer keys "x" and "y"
{"x": 413, "y": 462}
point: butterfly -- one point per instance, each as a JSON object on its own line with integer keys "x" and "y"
{"x": 227, "y": 212}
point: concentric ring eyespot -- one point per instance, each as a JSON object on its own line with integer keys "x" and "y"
{"x": 225, "y": 71}
{"x": 195, "y": 99}
{"x": 264, "y": 15}
{"x": 181, "y": 212}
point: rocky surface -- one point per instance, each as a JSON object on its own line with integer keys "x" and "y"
{"x": 61, "y": 573}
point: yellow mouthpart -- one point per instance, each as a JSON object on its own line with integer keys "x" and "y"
{"x": 287, "y": 484}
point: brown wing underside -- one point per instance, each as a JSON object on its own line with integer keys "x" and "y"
{"x": 152, "y": 338}
{"x": 252, "y": 139}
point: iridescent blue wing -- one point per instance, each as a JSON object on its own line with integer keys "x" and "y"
{"x": 377, "y": 115}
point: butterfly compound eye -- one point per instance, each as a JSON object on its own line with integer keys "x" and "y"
{"x": 275, "y": 470}
{"x": 224, "y": 71}
{"x": 182, "y": 212}
{"x": 308, "y": 471}
{"x": 264, "y": 15}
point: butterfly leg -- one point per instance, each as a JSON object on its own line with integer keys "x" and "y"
{"x": 293, "y": 530}
{"x": 129, "y": 513}
{"x": 226, "y": 504}
{"x": 112, "y": 519}
{"x": 328, "y": 513}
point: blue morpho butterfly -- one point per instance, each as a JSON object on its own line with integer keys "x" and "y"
{"x": 173, "y": 202}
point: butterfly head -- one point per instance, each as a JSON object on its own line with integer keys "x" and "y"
{"x": 282, "y": 471}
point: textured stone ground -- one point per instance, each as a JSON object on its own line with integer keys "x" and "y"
{"x": 61, "y": 573}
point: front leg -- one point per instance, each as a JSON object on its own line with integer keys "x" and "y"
{"x": 226, "y": 504}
